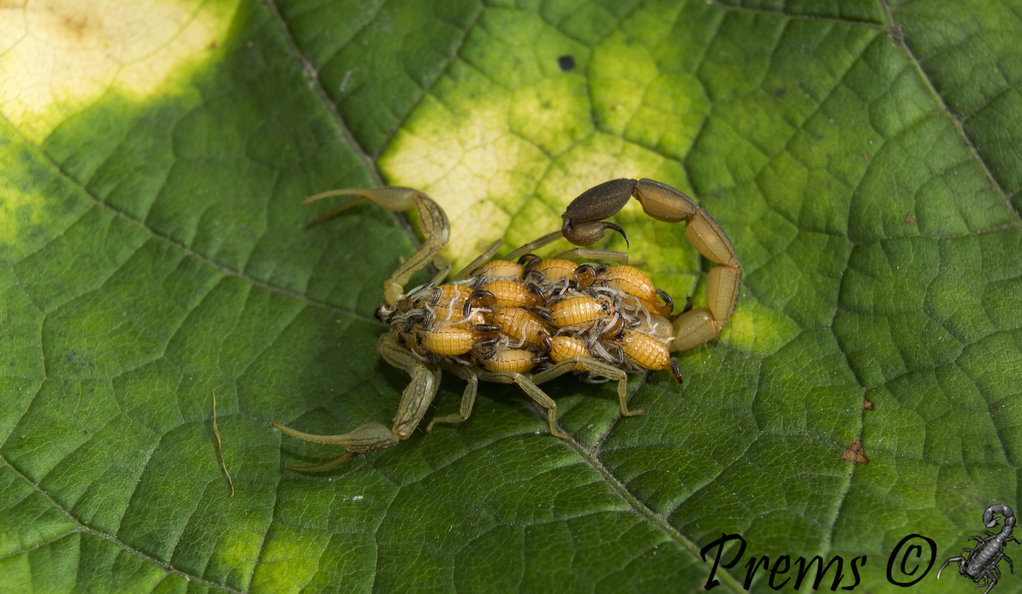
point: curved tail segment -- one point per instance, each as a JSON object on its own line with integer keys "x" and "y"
{"x": 1009, "y": 518}
{"x": 583, "y": 224}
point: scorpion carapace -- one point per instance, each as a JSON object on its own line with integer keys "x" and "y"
{"x": 980, "y": 563}
{"x": 524, "y": 320}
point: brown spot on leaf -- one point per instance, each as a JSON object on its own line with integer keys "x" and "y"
{"x": 867, "y": 404}
{"x": 855, "y": 453}
{"x": 910, "y": 219}
{"x": 76, "y": 26}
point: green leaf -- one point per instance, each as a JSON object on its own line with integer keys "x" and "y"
{"x": 864, "y": 158}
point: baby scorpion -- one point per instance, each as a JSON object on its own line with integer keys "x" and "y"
{"x": 980, "y": 565}
{"x": 504, "y": 329}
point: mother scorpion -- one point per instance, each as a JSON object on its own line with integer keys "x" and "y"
{"x": 530, "y": 321}
{"x": 981, "y": 563}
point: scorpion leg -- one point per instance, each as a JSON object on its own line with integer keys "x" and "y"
{"x": 533, "y": 245}
{"x": 593, "y": 367}
{"x": 468, "y": 400}
{"x": 432, "y": 220}
{"x": 991, "y": 579}
{"x": 591, "y": 254}
{"x": 483, "y": 258}
{"x": 532, "y": 391}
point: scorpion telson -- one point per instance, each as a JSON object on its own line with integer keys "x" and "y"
{"x": 524, "y": 320}
{"x": 980, "y": 563}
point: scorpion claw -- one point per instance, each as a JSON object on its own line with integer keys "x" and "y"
{"x": 583, "y": 218}
{"x": 619, "y": 230}
{"x": 323, "y": 466}
{"x": 369, "y": 438}
{"x": 943, "y": 567}
{"x": 587, "y": 232}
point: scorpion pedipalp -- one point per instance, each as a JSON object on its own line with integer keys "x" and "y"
{"x": 432, "y": 221}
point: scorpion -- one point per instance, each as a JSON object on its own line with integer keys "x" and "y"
{"x": 980, "y": 565}
{"x": 525, "y": 322}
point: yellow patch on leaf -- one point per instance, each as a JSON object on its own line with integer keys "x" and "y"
{"x": 59, "y": 56}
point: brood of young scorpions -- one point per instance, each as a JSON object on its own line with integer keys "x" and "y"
{"x": 525, "y": 321}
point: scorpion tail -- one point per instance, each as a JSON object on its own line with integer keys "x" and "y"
{"x": 1004, "y": 510}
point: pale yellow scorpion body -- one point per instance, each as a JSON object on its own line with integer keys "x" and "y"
{"x": 524, "y": 321}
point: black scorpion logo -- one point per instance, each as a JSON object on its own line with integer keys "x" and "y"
{"x": 980, "y": 565}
